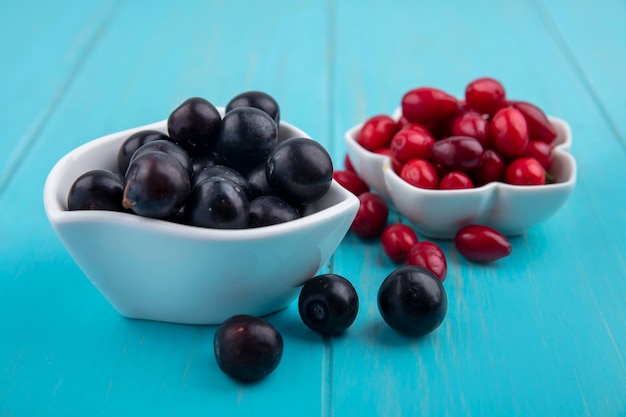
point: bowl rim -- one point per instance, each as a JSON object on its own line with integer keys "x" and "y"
{"x": 59, "y": 215}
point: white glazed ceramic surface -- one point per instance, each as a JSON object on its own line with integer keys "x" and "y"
{"x": 511, "y": 209}
{"x": 157, "y": 270}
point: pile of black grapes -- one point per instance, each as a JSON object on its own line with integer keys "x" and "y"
{"x": 229, "y": 172}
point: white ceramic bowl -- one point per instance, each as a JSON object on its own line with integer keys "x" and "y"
{"x": 157, "y": 270}
{"x": 511, "y": 209}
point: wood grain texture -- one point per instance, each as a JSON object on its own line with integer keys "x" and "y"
{"x": 539, "y": 333}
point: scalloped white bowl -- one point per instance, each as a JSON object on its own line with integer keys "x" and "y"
{"x": 158, "y": 270}
{"x": 511, "y": 209}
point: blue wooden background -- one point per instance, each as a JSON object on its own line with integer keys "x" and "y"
{"x": 542, "y": 332}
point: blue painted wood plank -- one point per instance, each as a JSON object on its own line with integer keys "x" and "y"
{"x": 43, "y": 46}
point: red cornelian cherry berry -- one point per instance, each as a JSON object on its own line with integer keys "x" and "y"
{"x": 541, "y": 151}
{"x": 351, "y": 182}
{"x": 491, "y": 168}
{"x": 457, "y": 153}
{"x": 395, "y": 164}
{"x": 525, "y": 171}
{"x": 485, "y": 95}
{"x": 430, "y": 256}
{"x": 420, "y": 173}
{"x": 539, "y": 126}
{"x": 455, "y": 180}
{"x": 397, "y": 239}
{"x": 482, "y": 244}
{"x": 371, "y": 217}
{"x": 509, "y": 132}
{"x": 426, "y": 104}
{"x": 410, "y": 142}
{"x": 377, "y": 132}
{"x": 474, "y": 125}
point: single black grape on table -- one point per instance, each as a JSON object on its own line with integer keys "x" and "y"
{"x": 328, "y": 304}
{"x": 412, "y": 301}
{"x": 247, "y": 348}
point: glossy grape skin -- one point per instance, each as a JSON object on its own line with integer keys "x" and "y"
{"x": 222, "y": 171}
{"x": 217, "y": 203}
{"x": 258, "y": 100}
{"x": 134, "y": 142}
{"x": 300, "y": 170}
{"x": 412, "y": 301}
{"x": 168, "y": 147}
{"x": 247, "y": 348}
{"x": 157, "y": 185}
{"x": 195, "y": 126}
{"x": 98, "y": 189}
{"x": 246, "y": 138}
{"x": 257, "y": 181}
{"x": 328, "y": 304}
{"x": 268, "y": 210}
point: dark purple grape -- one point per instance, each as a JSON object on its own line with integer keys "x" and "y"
{"x": 225, "y": 172}
{"x": 217, "y": 203}
{"x": 300, "y": 170}
{"x": 247, "y": 348}
{"x": 98, "y": 189}
{"x": 157, "y": 185}
{"x": 268, "y": 210}
{"x": 168, "y": 147}
{"x": 457, "y": 153}
{"x": 257, "y": 181}
{"x": 134, "y": 142}
{"x": 328, "y": 304}
{"x": 200, "y": 162}
{"x": 412, "y": 301}
{"x": 247, "y": 136}
{"x": 195, "y": 126}
{"x": 256, "y": 99}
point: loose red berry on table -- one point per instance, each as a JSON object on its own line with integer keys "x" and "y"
{"x": 351, "y": 182}
{"x": 482, "y": 244}
{"x": 377, "y": 132}
{"x": 455, "y": 180}
{"x": 485, "y": 95}
{"x": 509, "y": 132}
{"x": 371, "y": 217}
{"x": 396, "y": 240}
{"x": 420, "y": 173}
{"x": 430, "y": 256}
{"x": 525, "y": 171}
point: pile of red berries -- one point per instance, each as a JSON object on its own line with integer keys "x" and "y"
{"x": 441, "y": 142}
